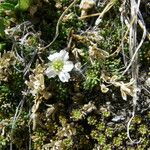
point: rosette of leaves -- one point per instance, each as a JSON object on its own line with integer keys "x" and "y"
{"x": 6, "y": 61}
{"x": 36, "y": 83}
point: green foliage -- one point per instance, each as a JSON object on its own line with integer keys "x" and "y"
{"x": 3, "y": 142}
{"x": 101, "y": 139}
{"x": 144, "y": 54}
{"x": 67, "y": 143}
{"x": 117, "y": 141}
{"x": 38, "y": 112}
{"x": 76, "y": 114}
{"x": 6, "y": 6}
{"x": 23, "y": 5}
{"x": 2, "y": 27}
{"x": 92, "y": 76}
{"x": 92, "y": 120}
{"x": 143, "y": 129}
{"x": 100, "y": 126}
{"x": 2, "y": 46}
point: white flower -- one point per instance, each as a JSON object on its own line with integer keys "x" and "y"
{"x": 59, "y": 66}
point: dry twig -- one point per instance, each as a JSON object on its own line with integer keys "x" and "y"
{"x": 58, "y": 23}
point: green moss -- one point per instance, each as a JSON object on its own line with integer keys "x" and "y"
{"x": 101, "y": 139}
{"x": 94, "y": 134}
{"x": 38, "y": 139}
{"x": 92, "y": 120}
{"x": 3, "y": 142}
{"x": 143, "y": 129}
{"x": 100, "y": 126}
{"x": 137, "y": 120}
{"x": 67, "y": 143}
{"x": 109, "y": 132}
{"x": 107, "y": 147}
{"x": 76, "y": 114}
{"x": 92, "y": 78}
{"x": 106, "y": 113}
{"x": 117, "y": 141}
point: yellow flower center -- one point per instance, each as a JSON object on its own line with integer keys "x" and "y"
{"x": 58, "y": 65}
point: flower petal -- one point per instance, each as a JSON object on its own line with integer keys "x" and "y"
{"x": 63, "y": 55}
{"x": 68, "y": 66}
{"x": 50, "y": 72}
{"x": 64, "y": 76}
{"x": 53, "y": 56}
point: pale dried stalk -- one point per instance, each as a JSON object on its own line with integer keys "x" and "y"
{"x": 58, "y": 23}
{"x": 106, "y": 9}
{"x": 142, "y": 25}
{"x": 15, "y": 118}
{"x": 123, "y": 38}
{"x": 132, "y": 47}
{"x": 133, "y": 50}
{"x": 122, "y": 34}
{"x": 90, "y": 15}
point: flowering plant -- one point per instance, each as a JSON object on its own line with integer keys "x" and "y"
{"x": 59, "y": 66}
